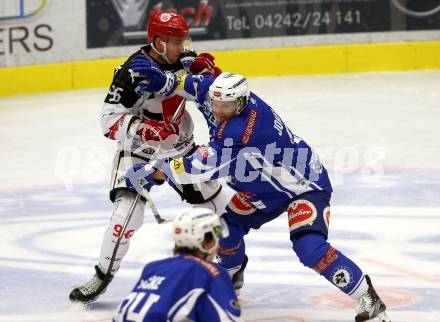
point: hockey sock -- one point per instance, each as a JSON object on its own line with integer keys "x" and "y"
{"x": 315, "y": 252}
{"x": 231, "y": 256}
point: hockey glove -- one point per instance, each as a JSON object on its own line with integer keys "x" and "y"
{"x": 156, "y": 131}
{"x": 204, "y": 65}
{"x": 186, "y": 58}
{"x": 153, "y": 78}
{"x": 140, "y": 176}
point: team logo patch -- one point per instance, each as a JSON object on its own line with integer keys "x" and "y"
{"x": 240, "y": 204}
{"x": 326, "y": 215}
{"x": 342, "y": 277}
{"x": 250, "y": 125}
{"x": 178, "y": 166}
{"x": 301, "y": 213}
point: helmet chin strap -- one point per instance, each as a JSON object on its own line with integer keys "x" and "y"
{"x": 163, "y": 54}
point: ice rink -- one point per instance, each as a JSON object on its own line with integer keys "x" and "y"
{"x": 377, "y": 134}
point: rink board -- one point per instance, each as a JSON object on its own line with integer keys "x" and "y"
{"x": 254, "y": 62}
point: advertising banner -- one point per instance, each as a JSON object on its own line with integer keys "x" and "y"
{"x": 52, "y": 31}
{"x": 123, "y": 22}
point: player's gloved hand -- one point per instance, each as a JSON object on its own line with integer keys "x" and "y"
{"x": 186, "y": 58}
{"x": 156, "y": 131}
{"x": 153, "y": 78}
{"x": 204, "y": 65}
{"x": 141, "y": 176}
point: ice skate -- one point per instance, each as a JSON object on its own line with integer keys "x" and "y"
{"x": 90, "y": 290}
{"x": 238, "y": 277}
{"x": 370, "y": 306}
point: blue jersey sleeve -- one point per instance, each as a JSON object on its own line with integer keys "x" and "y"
{"x": 226, "y": 153}
{"x": 194, "y": 87}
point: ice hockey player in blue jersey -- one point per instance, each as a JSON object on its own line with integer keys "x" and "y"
{"x": 188, "y": 286}
{"x": 273, "y": 172}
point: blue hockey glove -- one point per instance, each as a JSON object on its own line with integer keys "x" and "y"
{"x": 154, "y": 79}
{"x": 140, "y": 177}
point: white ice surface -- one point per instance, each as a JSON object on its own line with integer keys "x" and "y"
{"x": 377, "y": 134}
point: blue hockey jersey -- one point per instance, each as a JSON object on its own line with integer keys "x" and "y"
{"x": 181, "y": 288}
{"x": 254, "y": 151}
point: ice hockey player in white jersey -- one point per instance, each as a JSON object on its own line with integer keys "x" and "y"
{"x": 142, "y": 123}
{"x": 273, "y": 172}
{"x": 188, "y": 286}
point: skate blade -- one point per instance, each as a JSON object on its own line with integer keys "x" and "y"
{"x": 383, "y": 317}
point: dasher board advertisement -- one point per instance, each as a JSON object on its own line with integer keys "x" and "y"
{"x": 123, "y": 22}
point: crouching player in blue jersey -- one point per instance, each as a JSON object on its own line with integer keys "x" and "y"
{"x": 186, "y": 287}
{"x": 273, "y": 171}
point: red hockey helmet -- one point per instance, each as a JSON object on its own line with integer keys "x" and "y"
{"x": 168, "y": 24}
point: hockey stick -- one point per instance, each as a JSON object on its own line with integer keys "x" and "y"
{"x": 146, "y": 193}
{"x": 108, "y": 276}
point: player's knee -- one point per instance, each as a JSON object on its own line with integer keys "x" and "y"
{"x": 310, "y": 248}
{"x": 123, "y": 203}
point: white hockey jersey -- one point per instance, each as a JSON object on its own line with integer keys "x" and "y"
{"x": 126, "y": 107}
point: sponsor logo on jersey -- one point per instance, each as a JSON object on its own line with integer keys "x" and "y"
{"x": 221, "y": 129}
{"x": 181, "y": 77}
{"x": 301, "y": 213}
{"x": 184, "y": 141}
{"x": 240, "y": 204}
{"x": 250, "y": 125}
{"x": 209, "y": 266}
{"x": 326, "y": 260}
{"x": 342, "y": 277}
{"x": 178, "y": 166}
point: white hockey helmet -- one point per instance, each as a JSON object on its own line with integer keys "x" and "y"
{"x": 191, "y": 228}
{"x": 230, "y": 87}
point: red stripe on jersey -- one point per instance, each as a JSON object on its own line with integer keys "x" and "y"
{"x": 250, "y": 126}
{"x": 115, "y": 127}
